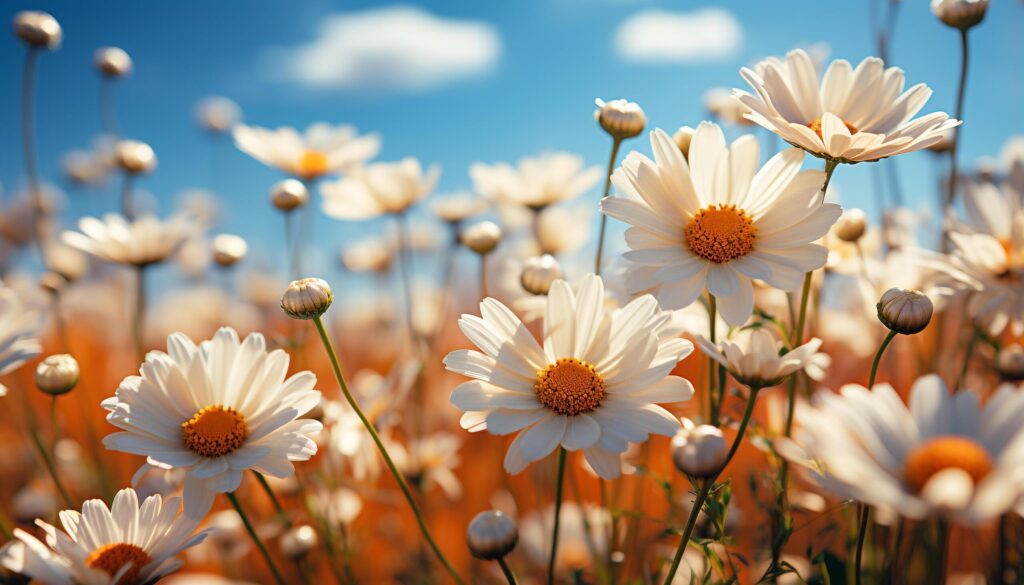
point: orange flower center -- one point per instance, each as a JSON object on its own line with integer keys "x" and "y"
{"x": 110, "y": 558}
{"x": 215, "y": 431}
{"x": 815, "y": 127}
{"x": 720, "y": 233}
{"x": 569, "y": 387}
{"x": 312, "y": 164}
{"x": 943, "y": 453}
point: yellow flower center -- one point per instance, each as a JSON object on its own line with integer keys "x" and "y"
{"x": 815, "y": 126}
{"x": 312, "y": 164}
{"x": 110, "y": 558}
{"x": 943, "y": 453}
{"x": 720, "y": 233}
{"x": 569, "y": 387}
{"x": 215, "y": 431}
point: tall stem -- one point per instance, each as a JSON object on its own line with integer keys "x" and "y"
{"x": 558, "y": 512}
{"x": 961, "y": 90}
{"x": 483, "y": 276}
{"x": 509, "y": 575}
{"x": 138, "y": 323}
{"x": 281, "y": 513}
{"x": 329, "y": 347}
{"x": 28, "y": 142}
{"x": 712, "y": 364}
{"x": 256, "y": 539}
{"x": 616, "y": 143}
{"x": 864, "y": 516}
{"x": 127, "y": 199}
{"x": 878, "y": 358}
{"x": 51, "y": 467}
{"x": 943, "y": 546}
{"x": 968, "y": 354}
{"x": 107, "y": 106}
{"x": 405, "y": 269}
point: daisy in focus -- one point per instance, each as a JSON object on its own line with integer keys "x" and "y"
{"x": 216, "y": 409}
{"x": 756, "y": 357}
{"x": 593, "y": 386}
{"x": 717, "y": 220}
{"x": 321, "y": 150}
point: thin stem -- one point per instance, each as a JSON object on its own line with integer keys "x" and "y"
{"x": 878, "y": 358}
{"x": 281, "y": 513}
{"x": 509, "y": 575}
{"x": 616, "y": 143}
{"x": 291, "y": 244}
{"x": 483, "y": 276}
{"x": 329, "y": 347}
{"x": 59, "y": 323}
{"x": 943, "y": 546}
{"x": 712, "y": 322}
{"x": 968, "y": 354}
{"x": 138, "y": 323}
{"x": 864, "y": 516}
{"x": 54, "y": 427}
{"x": 797, "y": 335}
{"x": 127, "y": 199}
{"x": 961, "y": 90}
{"x": 51, "y": 467}
{"x": 405, "y": 269}
{"x": 255, "y": 538}
{"x": 28, "y": 142}
{"x": 107, "y": 106}
{"x": 558, "y": 512}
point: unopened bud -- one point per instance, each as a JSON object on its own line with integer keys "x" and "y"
{"x": 38, "y": 29}
{"x": 683, "y": 138}
{"x": 289, "y": 194}
{"x": 491, "y": 535}
{"x": 538, "y": 274}
{"x": 112, "y": 61}
{"x": 57, "y": 374}
{"x": 228, "y": 249}
{"x": 904, "y": 311}
{"x": 699, "y": 451}
{"x": 961, "y": 14}
{"x": 482, "y": 237}
{"x": 298, "y": 542}
{"x": 135, "y": 157}
{"x": 307, "y": 298}
{"x": 620, "y": 118}
{"x": 851, "y": 225}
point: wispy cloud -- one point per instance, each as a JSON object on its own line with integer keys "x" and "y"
{"x": 393, "y": 48}
{"x": 661, "y": 36}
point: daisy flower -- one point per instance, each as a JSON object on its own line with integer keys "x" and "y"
{"x": 127, "y": 544}
{"x": 429, "y": 461}
{"x": 321, "y": 150}
{"x": 140, "y": 242}
{"x": 943, "y": 454}
{"x": 216, "y": 409}
{"x": 851, "y": 115}
{"x": 755, "y": 356}
{"x": 536, "y": 182}
{"x": 593, "y": 386}
{"x": 19, "y": 331}
{"x": 718, "y": 221}
{"x": 379, "y": 189}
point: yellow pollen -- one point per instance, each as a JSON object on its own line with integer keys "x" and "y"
{"x": 943, "y": 453}
{"x": 215, "y": 431}
{"x": 312, "y": 164}
{"x": 815, "y": 126}
{"x": 110, "y": 558}
{"x": 720, "y": 233}
{"x": 569, "y": 387}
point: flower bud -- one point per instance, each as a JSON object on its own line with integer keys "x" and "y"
{"x": 683, "y": 137}
{"x": 491, "y": 535}
{"x": 112, "y": 61}
{"x": 961, "y": 14}
{"x": 538, "y": 274}
{"x": 57, "y": 374}
{"x": 482, "y": 237}
{"x": 38, "y": 29}
{"x": 1010, "y": 362}
{"x": 620, "y": 118}
{"x": 289, "y": 194}
{"x": 307, "y": 298}
{"x": 851, "y": 225}
{"x": 298, "y": 542}
{"x": 904, "y": 311}
{"x": 228, "y": 249}
{"x": 217, "y": 114}
{"x": 135, "y": 157}
{"x": 699, "y": 451}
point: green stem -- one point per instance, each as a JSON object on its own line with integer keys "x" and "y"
{"x": 558, "y": 512}
{"x": 281, "y": 513}
{"x": 54, "y": 427}
{"x": 329, "y": 347}
{"x": 28, "y": 141}
{"x": 864, "y": 516}
{"x": 968, "y": 354}
{"x": 509, "y": 575}
{"x": 878, "y": 358}
{"x": 483, "y": 276}
{"x": 51, "y": 467}
{"x": 713, "y": 406}
{"x": 616, "y": 143}
{"x": 138, "y": 324}
{"x": 255, "y": 538}
{"x": 405, "y": 271}
{"x": 961, "y": 90}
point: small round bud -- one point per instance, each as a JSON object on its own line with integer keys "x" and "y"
{"x": 482, "y": 237}
{"x": 112, "y": 61}
{"x": 289, "y": 194}
{"x": 135, "y": 157}
{"x": 699, "y": 451}
{"x": 298, "y": 542}
{"x": 491, "y": 535}
{"x": 228, "y": 249}
{"x": 904, "y": 311}
{"x": 851, "y": 225}
{"x": 38, "y": 29}
{"x": 57, "y": 374}
{"x": 538, "y": 274}
{"x": 961, "y": 14}
{"x": 620, "y": 118}
{"x": 307, "y": 298}
{"x": 218, "y": 114}
{"x": 1010, "y": 362}
{"x": 683, "y": 138}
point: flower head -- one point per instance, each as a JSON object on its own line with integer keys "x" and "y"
{"x": 288, "y": 194}
{"x": 321, "y": 150}
{"x": 755, "y": 356}
{"x": 38, "y": 29}
{"x": 57, "y": 374}
{"x": 904, "y": 311}
{"x": 536, "y": 182}
{"x": 482, "y": 237}
{"x": 961, "y": 14}
{"x": 620, "y": 118}
{"x": 112, "y": 61}
{"x": 217, "y": 114}
{"x": 307, "y": 298}
{"x": 135, "y": 157}
{"x": 379, "y": 189}
{"x": 491, "y": 535}
{"x": 140, "y": 242}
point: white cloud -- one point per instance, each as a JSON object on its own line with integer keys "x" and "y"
{"x": 393, "y": 48}
{"x": 660, "y": 36}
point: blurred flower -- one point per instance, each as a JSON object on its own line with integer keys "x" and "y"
{"x": 289, "y": 194}
{"x": 84, "y": 167}
{"x": 321, "y": 150}
{"x": 538, "y": 274}
{"x": 429, "y": 461}
{"x": 199, "y": 311}
{"x": 851, "y": 115}
{"x": 689, "y": 233}
{"x": 593, "y": 386}
{"x": 581, "y": 530}
{"x": 458, "y": 207}
{"x": 699, "y": 450}
{"x": 491, "y": 535}
{"x": 57, "y": 374}
{"x": 961, "y": 14}
{"x": 338, "y": 507}
{"x": 721, "y": 105}
{"x": 755, "y": 358}
{"x": 620, "y": 118}
{"x": 683, "y": 137}
{"x": 112, "y": 61}
{"x": 217, "y": 114}
{"x": 298, "y": 542}
{"x": 38, "y": 29}
{"x": 229, "y": 249}
{"x": 135, "y": 157}
{"x": 373, "y": 254}
{"x": 563, "y": 229}
{"x": 19, "y": 331}
{"x": 537, "y": 182}
{"x": 481, "y": 237}
{"x": 217, "y": 409}
{"x": 140, "y": 242}
{"x": 379, "y": 189}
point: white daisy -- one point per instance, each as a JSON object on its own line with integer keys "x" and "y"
{"x": 19, "y": 332}
{"x": 322, "y": 149}
{"x": 755, "y": 356}
{"x": 536, "y": 182}
{"x": 127, "y": 544}
{"x": 379, "y": 189}
{"x": 943, "y": 454}
{"x": 592, "y": 386}
{"x": 216, "y": 409}
{"x": 140, "y": 242}
{"x": 718, "y": 221}
{"x": 851, "y": 115}
{"x": 429, "y": 461}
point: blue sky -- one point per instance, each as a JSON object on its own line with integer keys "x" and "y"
{"x": 555, "y": 58}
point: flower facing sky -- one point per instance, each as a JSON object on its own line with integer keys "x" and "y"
{"x": 593, "y": 386}
{"x": 379, "y": 189}
{"x": 146, "y": 240}
{"x": 850, "y": 115}
{"x": 321, "y": 150}
{"x": 216, "y": 409}
{"x": 753, "y": 357}
{"x": 718, "y": 220}
{"x": 535, "y": 182}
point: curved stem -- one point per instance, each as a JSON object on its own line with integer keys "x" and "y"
{"x": 255, "y": 538}
{"x": 878, "y": 358}
{"x": 509, "y": 575}
{"x": 961, "y": 90}
{"x": 864, "y": 516}
{"x": 281, "y": 513}
{"x": 51, "y": 467}
{"x": 616, "y": 143}
{"x": 558, "y": 512}
{"x": 329, "y": 347}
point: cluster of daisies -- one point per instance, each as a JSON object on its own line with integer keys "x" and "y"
{"x": 797, "y": 306}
